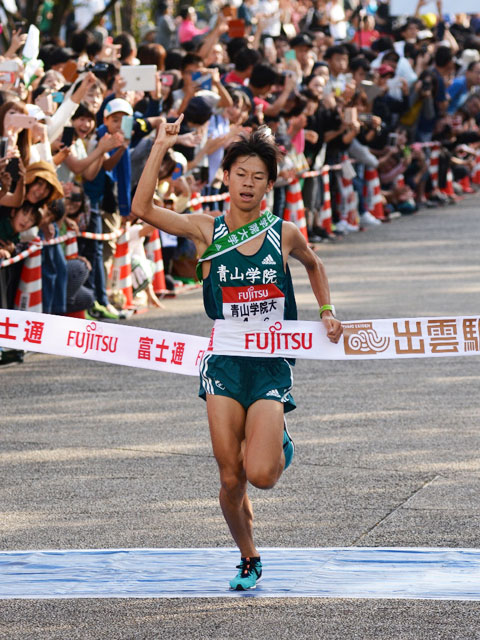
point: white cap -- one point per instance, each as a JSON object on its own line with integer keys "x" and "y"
{"x": 425, "y": 34}
{"x": 118, "y": 105}
{"x": 35, "y": 112}
{"x": 468, "y": 56}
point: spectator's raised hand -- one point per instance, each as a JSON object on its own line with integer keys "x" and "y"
{"x": 190, "y": 139}
{"x": 87, "y": 82}
{"x": 405, "y": 87}
{"x": 290, "y": 84}
{"x": 61, "y": 155}
{"x": 190, "y": 87}
{"x": 119, "y": 85}
{"x": 18, "y": 40}
{"x": 72, "y": 225}
{"x": 5, "y": 181}
{"x": 111, "y": 141}
{"x": 311, "y": 136}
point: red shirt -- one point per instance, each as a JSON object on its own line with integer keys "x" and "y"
{"x": 232, "y": 77}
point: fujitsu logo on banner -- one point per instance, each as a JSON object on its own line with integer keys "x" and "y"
{"x": 275, "y": 340}
{"x": 90, "y": 341}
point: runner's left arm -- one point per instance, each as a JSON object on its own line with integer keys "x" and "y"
{"x": 296, "y": 246}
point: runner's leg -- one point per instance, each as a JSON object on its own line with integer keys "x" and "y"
{"x": 264, "y": 459}
{"x": 226, "y": 418}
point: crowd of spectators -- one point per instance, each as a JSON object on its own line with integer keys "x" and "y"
{"x": 343, "y": 84}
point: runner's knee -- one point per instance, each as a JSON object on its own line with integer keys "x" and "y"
{"x": 233, "y": 483}
{"x": 263, "y": 478}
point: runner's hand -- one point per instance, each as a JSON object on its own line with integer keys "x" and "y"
{"x": 333, "y": 326}
{"x": 168, "y": 131}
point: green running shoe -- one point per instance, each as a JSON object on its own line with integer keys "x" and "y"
{"x": 288, "y": 446}
{"x": 250, "y": 572}
{"x": 98, "y": 311}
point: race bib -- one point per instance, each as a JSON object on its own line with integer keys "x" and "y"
{"x": 256, "y": 302}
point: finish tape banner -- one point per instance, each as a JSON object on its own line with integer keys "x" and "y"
{"x": 182, "y": 353}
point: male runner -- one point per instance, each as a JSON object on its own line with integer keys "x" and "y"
{"x": 246, "y": 396}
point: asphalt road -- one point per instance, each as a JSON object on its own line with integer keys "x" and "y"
{"x": 97, "y": 456}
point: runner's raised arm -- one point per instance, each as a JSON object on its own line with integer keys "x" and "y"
{"x": 197, "y": 227}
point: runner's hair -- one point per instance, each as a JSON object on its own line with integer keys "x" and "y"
{"x": 260, "y": 143}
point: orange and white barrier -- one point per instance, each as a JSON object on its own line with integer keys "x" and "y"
{"x": 153, "y": 250}
{"x": 433, "y": 164}
{"x": 71, "y": 247}
{"x": 448, "y": 190}
{"x": 196, "y": 202}
{"x": 122, "y": 268}
{"x": 295, "y": 210}
{"x": 476, "y": 170}
{"x": 29, "y": 292}
{"x": 373, "y": 194}
{"x": 326, "y": 214}
{"x": 348, "y": 201}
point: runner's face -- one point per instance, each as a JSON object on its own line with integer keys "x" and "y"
{"x": 247, "y": 182}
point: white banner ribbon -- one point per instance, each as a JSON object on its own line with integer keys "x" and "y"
{"x": 182, "y": 353}
{"x": 363, "y": 339}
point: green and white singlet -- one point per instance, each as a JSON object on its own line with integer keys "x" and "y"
{"x": 243, "y": 288}
{"x": 240, "y": 287}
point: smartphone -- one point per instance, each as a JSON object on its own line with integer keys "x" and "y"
{"x": 167, "y": 79}
{"x": 13, "y": 168}
{"x": 8, "y": 71}
{"x": 45, "y": 102}
{"x": 204, "y": 81}
{"x": 236, "y": 28}
{"x": 67, "y": 136}
{"x": 127, "y": 126}
{"x": 7, "y": 77}
{"x": 58, "y": 97}
{"x": 392, "y": 139}
{"x": 3, "y": 147}
{"x": 350, "y": 115}
{"x": 19, "y": 26}
{"x": 290, "y": 54}
{"x": 19, "y": 121}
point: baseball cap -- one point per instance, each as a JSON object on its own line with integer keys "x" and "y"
{"x": 118, "y": 105}
{"x": 385, "y": 70}
{"x": 302, "y": 40}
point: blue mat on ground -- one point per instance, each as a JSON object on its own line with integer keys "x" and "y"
{"x": 413, "y": 573}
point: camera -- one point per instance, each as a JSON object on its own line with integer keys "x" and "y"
{"x": 366, "y": 118}
{"x": 100, "y": 69}
{"x": 392, "y": 139}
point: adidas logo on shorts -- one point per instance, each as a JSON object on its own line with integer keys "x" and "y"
{"x": 268, "y": 260}
{"x": 273, "y": 393}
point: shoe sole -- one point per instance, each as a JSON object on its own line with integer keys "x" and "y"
{"x": 240, "y": 588}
